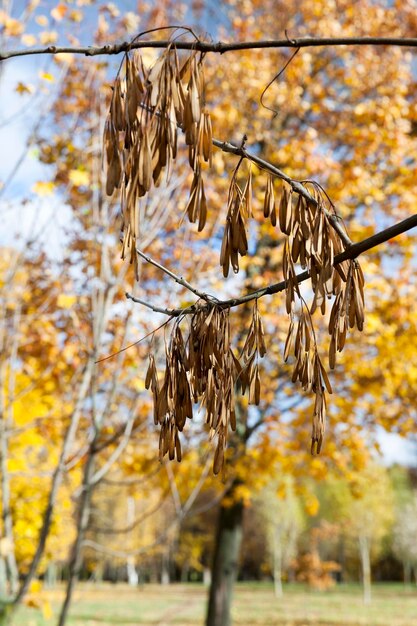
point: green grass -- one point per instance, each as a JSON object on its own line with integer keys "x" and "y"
{"x": 254, "y": 605}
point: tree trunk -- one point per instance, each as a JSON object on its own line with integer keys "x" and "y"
{"x": 132, "y": 575}
{"x": 51, "y": 575}
{"x": 83, "y": 519}
{"x": 3, "y": 578}
{"x": 165, "y": 572}
{"x": 224, "y": 571}
{"x": 185, "y": 570}
{"x": 407, "y": 572}
{"x": 9, "y": 553}
{"x": 277, "y": 562}
{"x": 206, "y": 577}
{"x": 366, "y": 568}
{"x": 4, "y": 602}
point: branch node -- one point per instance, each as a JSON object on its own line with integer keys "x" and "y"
{"x": 293, "y": 42}
{"x": 243, "y": 142}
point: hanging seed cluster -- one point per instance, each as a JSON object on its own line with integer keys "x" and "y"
{"x": 148, "y": 107}
{"x": 348, "y": 310}
{"x": 253, "y": 349}
{"x": 239, "y": 210}
{"x": 269, "y": 201}
{"x": 141, "y": 134}
{"x": 204, "y": 370}
{"x": 312, "y": 242}
{"x": 308, "y": 369}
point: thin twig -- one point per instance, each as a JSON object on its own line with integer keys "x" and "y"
{"x": 154, "y": 308}
{"x": 296, "y": 185}
{"x": 281, "y": 71}
{"x": 157, "y": 309}
{"x": 193, "y": 495}
{"x": 219, "y": 48}
{"x": 178, "y": 279}
{"x": 135, "y": 343}
{"x": 226, "y": 146}
{"x": 174, "y": 490}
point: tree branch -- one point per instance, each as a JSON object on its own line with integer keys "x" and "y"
{"x": 352, "y": 252}
{"x": 157, "y": 309}
{"x": 127, "y": 529}
{"x": 178, "y": 279}
{"x": 296, "y": 186}
{"x": 219, "y": 47}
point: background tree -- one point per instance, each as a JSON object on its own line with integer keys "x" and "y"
{"x": 404, "y": 538}
{"x": 282, "y": 512}
{"x": 367, "y": 510}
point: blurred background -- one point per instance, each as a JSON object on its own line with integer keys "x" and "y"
{"x": 86, "y": 505}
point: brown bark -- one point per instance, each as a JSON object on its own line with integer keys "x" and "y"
{"x": 225, "y": 562}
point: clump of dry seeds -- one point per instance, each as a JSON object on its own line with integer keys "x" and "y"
{"x": 147, "y": 109}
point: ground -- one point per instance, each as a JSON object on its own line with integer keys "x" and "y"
{"x": 255, "y": 605}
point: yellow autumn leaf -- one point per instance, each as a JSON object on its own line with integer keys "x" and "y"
{"x": 59, "y": 12}
{"x": 43, "y": 188}
{"x": 282, "y": 491}
{"x": 79, "y": 178}
{"x": 28, "y": 40}
{"x": 139, "y": 384}
{"x": 311, "y": 505}
{"x": 42, "y": 20}
{"x": 48, "y": 37}
{"x": 64, "y": 57}
{"x": 35, "y": 586}
{"x": 47, "y": 610}
{"x": 47, "y": 76}
{"x": 22, "y": 88}
{"x": 65, "y": 301}
{"x": 76, "y": 16}
{"x": 13, "y": 27}
{"x": 15, "y": 465}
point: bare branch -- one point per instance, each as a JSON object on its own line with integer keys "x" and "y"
{"x": 124, "y": 555}
{"x": 123, "y": 482}
{"x": 174, "y": 490}
{"x": 178, "y": 279}
{"x": 225, "y": 146}
{"x": 219, "y": 47}
{"x": 352, "y": 252}
{"x": 115, "y": 454}
{"x": 193, "y": 495}
{"x": 134, "y": 524}
{"x": 157, "y": 309}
